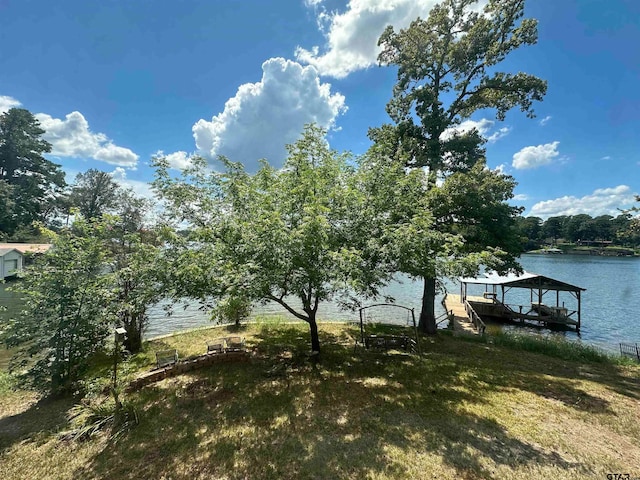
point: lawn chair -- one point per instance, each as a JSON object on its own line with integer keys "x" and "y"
{"x": 216, "y": 346}
{"x": 235, "y": 344}
{"x": 166, "y": 358}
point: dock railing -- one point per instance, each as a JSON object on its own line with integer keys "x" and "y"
{"x": 475, "y": 318}
{"x": 448, "y": 315}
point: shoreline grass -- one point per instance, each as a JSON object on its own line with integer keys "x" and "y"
{"x": 465, "y": 409}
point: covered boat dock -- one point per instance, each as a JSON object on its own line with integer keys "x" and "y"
{"x": 492, "y": 303}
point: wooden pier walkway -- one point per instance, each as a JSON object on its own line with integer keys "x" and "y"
{"x": 461, "y": 321}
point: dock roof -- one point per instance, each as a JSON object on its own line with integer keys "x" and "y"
{"x": 523, "y": 280}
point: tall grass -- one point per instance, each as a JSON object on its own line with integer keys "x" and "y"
{"x": 551, "y": 346}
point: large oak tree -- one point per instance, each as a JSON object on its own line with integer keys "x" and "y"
{"x": 448, "y": 69}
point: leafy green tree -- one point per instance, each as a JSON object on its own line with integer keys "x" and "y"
{"x": 554, "y": 227}
{"x": 35, "y": 181}
{"x": 137, "y": 264}
{"x": 296, "y": 236}
{"x": 447, "y": 70}
{"x": 94, "y": 193}
{"x": 66, "y": 316}
{"x": 631, "y": 233}
{"x": 603, "y": 227}
{"x": 7, "y": 205}
{"x": 530, "y": 230}
{"x": 577, "y": 227}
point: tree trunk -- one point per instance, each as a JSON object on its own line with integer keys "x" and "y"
{"x": 133, "y": 326}
{"x": 315, "y": 340}
{"x": 427, "y": 315}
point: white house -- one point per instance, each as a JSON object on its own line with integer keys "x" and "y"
{"x": 10, "y": 262}
{"x": 12, "y": 256}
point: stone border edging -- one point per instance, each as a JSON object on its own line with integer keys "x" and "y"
{"x": 186, "y": 366}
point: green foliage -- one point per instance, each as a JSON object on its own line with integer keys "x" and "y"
{"x": 94, "y": 193}
{"x": 35, "y": 182}
{"x": 448, "y": 70}
{"x": 95, "y": 416}
{"x": 137, "y": 264}
{"x": 453, "y": 56}
{"x": 231, "y": 309}
{"x": 66, "y": 313}
{"x": 552, "y": 346}
{"x": 302, "y": 233}
{"x": 573, "y": 228}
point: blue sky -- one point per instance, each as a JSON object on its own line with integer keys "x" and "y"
{"x": 115, "y": 82}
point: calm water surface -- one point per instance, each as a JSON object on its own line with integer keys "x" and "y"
{"x": 610, "y": 305}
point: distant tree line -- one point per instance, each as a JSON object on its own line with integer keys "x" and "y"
{"x": 535, "y": 232}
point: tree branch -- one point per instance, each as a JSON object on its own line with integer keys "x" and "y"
{"x": 287, "y": 307}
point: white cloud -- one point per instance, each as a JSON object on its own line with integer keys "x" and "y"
{"x": 501, "y": 169}
{"x": 264, "y": 116}
{"x": 483, "y": 126}
{"x": 140, "y": 188}
{"x": 498, "y": 134}
{"x": 604, "y": 201}
{"x": 606, "y": 157}
{"x": 545, "y": 120}
{"x": 520, "y": 197}
{"x": 178, "y": 160}
{"x": 7, "y": 103}
{"x": 71, "y": 137}
{"x": 532, "y": 157}
{"x": 352, "y": 36}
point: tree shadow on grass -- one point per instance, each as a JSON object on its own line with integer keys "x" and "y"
{"x": 38, "y": 422}
{"x": 341, "y": 418}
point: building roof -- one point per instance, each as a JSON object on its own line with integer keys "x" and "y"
{"x": 4, "y": 251}
{"x": 524, "y": 280}
{"x": 27, "y": 247}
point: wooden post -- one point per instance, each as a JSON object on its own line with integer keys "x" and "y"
{"x": 579, "y": 319}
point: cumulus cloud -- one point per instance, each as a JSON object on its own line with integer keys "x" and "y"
{"x": 352, "y": 36}
{"x": 72, "y": 137}
{"x": 262, "y": 117}
{"x": 520, "y": 197}
{"x": 177, "y": 160}
{"x": 604, "y": 201}
{"x": 532, "y": 157}
{"x": 7, "y": 103}
{"x": 545, "y": 120}
{"x": 483, "y": 126}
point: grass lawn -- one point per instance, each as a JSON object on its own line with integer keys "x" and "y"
{"x": 462, "y": 410}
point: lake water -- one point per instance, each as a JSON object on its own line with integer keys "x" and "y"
{"x": 610, "y": 305}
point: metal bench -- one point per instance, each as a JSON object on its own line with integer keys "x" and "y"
{"x": 166, "y": 358}
{"x": 630, "y": 350}
{"x": 235, "y": 344}
{"x": 216, "y": 346}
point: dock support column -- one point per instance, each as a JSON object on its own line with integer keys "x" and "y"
{"x": 579, "y": 310}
